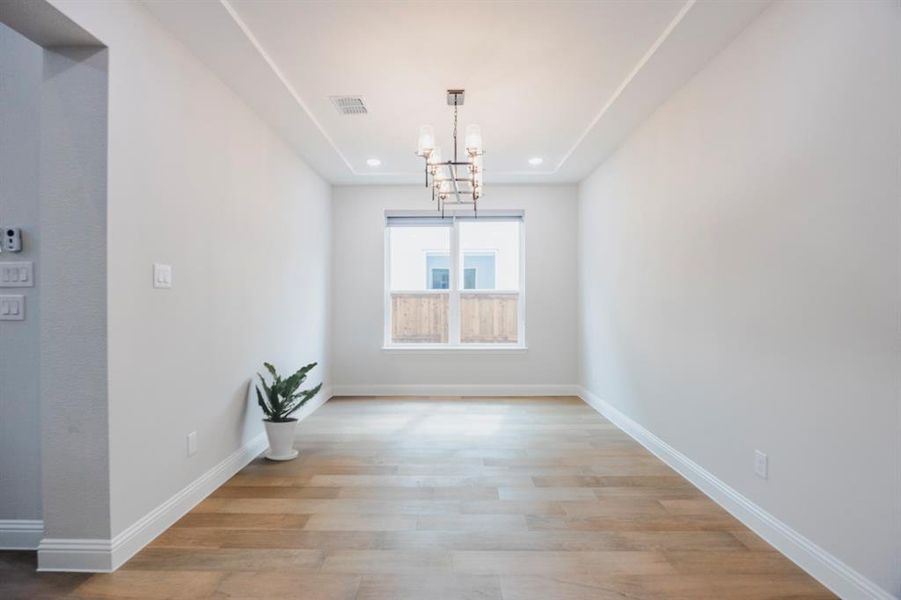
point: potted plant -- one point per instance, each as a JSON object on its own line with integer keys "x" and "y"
{"x": 279, "y": 400}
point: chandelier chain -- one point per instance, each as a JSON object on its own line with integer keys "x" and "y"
{"x": 455, "y": 132}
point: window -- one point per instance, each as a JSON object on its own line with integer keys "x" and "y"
{"x": 440, "y": 279}
{"x": 455, "y": 281}
{"x": 469, "y": 278}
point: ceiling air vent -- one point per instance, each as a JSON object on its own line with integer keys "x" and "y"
{"x": 349, "y": 105}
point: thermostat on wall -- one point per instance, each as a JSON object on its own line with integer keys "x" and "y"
{"x": 12, "y": 239}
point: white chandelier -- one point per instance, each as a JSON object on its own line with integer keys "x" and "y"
{"x": 458, "y": 179}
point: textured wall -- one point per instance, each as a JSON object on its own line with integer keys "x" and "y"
{"x": 75, "y": 415}
{"x": 21, "y": 67}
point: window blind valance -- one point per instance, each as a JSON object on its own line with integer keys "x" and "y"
{"x": 420, "y": 218}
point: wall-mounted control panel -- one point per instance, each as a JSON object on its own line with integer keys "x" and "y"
{"x": 12, "y": 239}
{"x": 12, "y": 308}
{"x": 16, "y": 274}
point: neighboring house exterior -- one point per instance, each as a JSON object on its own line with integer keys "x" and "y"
{"x": 479, "y": 270}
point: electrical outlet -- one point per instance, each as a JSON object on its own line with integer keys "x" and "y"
{"x": 760, "y": 464}
{"x": 192, "y": 443}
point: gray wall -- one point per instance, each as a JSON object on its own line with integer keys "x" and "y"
{"x": 73, "y": 280}
{"x": 54, "y": 425}
{"x": 21, "y": 68}
{"x": 739, "y": 274}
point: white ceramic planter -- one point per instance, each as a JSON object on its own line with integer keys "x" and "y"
{"x": 281, "y": 440}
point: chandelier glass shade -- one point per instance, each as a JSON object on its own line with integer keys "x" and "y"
{"x": 458, "y": 180}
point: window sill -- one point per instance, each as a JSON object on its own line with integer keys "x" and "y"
{"x": 434, "y": 349}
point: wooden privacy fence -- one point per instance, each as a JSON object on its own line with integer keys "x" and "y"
{"x": 485, "y": 318}
{"x": 419, "y": 318}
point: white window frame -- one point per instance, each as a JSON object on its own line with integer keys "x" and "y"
{"x": 453, "y": 321}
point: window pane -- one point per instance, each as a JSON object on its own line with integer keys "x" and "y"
{"x": 489, "y": 313}
{"x": 415, "y": 252}
{"x": 419, "y": 280}
{"x": 492, "y": 249}
{"x": 440, "y": 279}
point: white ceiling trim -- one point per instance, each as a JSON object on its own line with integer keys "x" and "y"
{"x": 281, "y": 77}
{"x": 270, "y": 62}
{"x": 629, "y": 78}
{"x": 245, "y": 29}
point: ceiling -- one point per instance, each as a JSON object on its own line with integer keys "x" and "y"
{"x": 564, "y": 81}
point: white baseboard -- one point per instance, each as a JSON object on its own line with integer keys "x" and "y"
{"x": 820, "y": 564}
{"x": 75, "y": 555}
{"x": 20, "y": 534}
{"x": 451, "y": 389}
{"x": 104, "y": 556}
{"x": 142, "y": 532}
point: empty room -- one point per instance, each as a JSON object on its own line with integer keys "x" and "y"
{"x": 478, "y": 300}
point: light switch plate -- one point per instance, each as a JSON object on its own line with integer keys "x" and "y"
{"x": 16, "y": 274}
{"x": 761, "y": 464}
{"x": 12, "y": 308}
{"x": 162, "y": 276}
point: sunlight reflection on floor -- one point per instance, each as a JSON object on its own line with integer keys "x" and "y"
{"x": 459, "y": 425}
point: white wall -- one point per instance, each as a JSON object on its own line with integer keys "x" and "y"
{"x": 360, "y": 365}
{"x": 739, "y": 274}
{"x": 196, "y": 180}
{"x": 21, "y": 69}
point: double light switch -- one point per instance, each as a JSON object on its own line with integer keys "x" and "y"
{"x": 12, "y": 308}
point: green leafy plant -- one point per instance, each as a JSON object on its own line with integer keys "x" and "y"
{"x": 280, "y": 399}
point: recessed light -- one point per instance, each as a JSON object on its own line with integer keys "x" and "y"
{"x": 373, "y": 162}
{"x": 535, "y": 161}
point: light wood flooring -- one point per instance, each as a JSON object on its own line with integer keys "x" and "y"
{"x": 464, "y": 498}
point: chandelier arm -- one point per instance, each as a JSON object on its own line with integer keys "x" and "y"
{"x": 454, "y": 178}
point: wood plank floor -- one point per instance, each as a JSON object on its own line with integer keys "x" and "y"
{"x": 464, "y": 498}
